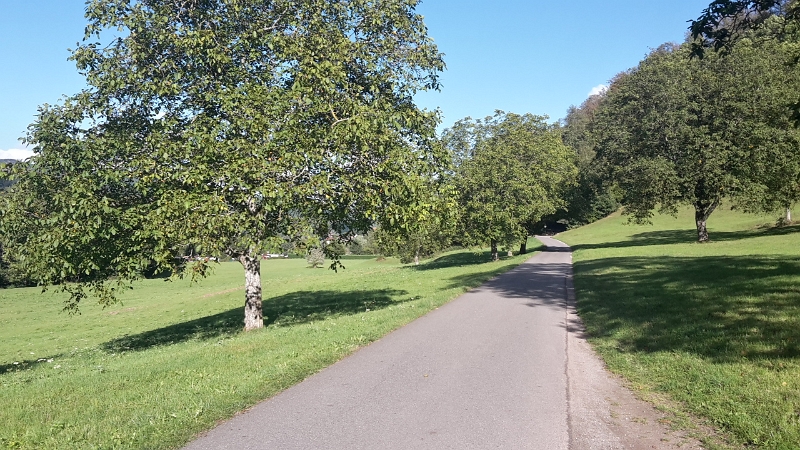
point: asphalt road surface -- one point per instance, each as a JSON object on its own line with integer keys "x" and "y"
{"x": 504, "y": 366}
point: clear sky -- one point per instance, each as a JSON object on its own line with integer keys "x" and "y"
{"x": 516, "y": 55}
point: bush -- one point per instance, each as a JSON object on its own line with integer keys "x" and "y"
{"x": 316, "y": 257}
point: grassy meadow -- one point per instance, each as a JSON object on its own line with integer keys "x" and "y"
{"x": 712, "y": 328}
{"x": 172, "y": 361}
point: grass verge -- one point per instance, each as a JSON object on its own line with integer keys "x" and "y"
{"x": 714, "y": 326}
{"x": 171, "y": 361}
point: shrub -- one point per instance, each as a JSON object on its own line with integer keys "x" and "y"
{"x": 316, "y": 257}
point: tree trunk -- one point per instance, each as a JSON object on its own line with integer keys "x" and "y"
{"x": 788, "y": 215}
{"x": 510, "y": 253}
{"x": 494, "y": 250}
{"x": 523, "y": 248}
{"x": 253, "y": 315}
{"x": 706, "y": 202}
{"x": 416, "y": 258}
{"x": 701, "y": 212}
{"x": 702, "y": 231}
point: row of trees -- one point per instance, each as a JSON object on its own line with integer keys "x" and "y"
{"x": 507, "y": 173}
{"x": 231, "y": 126}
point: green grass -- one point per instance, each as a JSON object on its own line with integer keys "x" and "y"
{"x": 715, "y": 327}
{"x": 172, "y": 361}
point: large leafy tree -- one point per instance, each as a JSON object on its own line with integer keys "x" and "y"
{"x": 225, "y": 125}
{"x": 767, "y": 114}
{"x": 681, "y": 130}
{"x": 513, "y": 171}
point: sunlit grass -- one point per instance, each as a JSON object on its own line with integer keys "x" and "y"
{"x": 172, "y": 361}
{"x": 715, "y": 326}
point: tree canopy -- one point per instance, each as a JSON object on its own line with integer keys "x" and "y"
{"x": 224, "y": 125}
{"x": 678, "y": 130}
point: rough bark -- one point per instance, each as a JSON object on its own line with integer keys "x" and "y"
{"x": 702, "y": 210}
{"x": 706, "y": 201}
{"x": 495, "y": 257}
{"x": 702, "y": 231}
{"x": 253, "y": 314}
{"x": 523, "y": 248}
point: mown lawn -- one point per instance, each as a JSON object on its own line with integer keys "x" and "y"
{"x": 715, "y": 327}
{"x": 172, "y": 360}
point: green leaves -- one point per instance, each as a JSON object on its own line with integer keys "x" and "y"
{"x": 511, "y": 171}
{"x": 680, "y": 130}
{"x": 224, "y": 125}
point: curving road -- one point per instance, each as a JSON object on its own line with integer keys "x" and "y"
{"x": 504, "y": 366}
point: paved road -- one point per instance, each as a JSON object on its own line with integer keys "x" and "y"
{"x": 488, "y": 370}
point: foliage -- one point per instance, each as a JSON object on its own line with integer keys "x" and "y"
{"x": 770, "y": 128}
{"x": 229, "y": 125}
{"x": 336, "y": 249}
{"x": 433, "y": 233}
{"x": 363, "y": 244}
{"x": 316, "y": 257}
{"x": 592, "y": 197}
{"x": 724, "y": 22}
{"x": 680, "y": 130}
{"x": 515, "y": 172}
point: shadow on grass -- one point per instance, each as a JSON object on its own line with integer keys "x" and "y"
{"x": 721, "y": 308}
{"x": 667, "y": 237}
{"x": 27, "y": 364}
{"x": 460, "y": 259}
{"x": 289, "y": 309}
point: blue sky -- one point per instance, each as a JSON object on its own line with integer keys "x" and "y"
{"x": 519, "y": 56}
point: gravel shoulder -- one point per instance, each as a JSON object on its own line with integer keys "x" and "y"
{"x": 604, "y": 413}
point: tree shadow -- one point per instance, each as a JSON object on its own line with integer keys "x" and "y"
{"x": 537, "y": 283}
{"x": 667, "y": 237}
{"x": 289, "y": 309}
{"x": 27, "y": 364}
{"x": 721, "y": 308}
{"x": 460, "y": 259}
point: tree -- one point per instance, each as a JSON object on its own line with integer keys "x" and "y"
{"x": 695, "y": 131}
{"x": 515, "y": 172}
{"x": 315, "y": 257}
{"x": 229, "y": 125}
{"x": 769, "y": 125}
{"x": 591, "y": 198}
